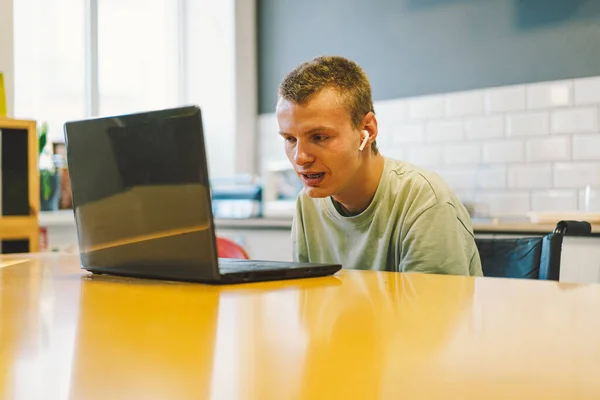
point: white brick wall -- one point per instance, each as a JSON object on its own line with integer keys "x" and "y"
{"x": 503, "y": 203}
{"x": 424, "y": 154}
{"x": 548, "y": 149}
{"x": 576, "y": 175}
{"x": 587, "y": 90}
{"x": 463, "y": 104}
{"x": 505, "y": 151}
{"x": 459, "y": 178}
{"x": 457, "y": 154}
{"x": 502, "y": 99}
{"x": 444, "y": 131}
{"x": 484, "y": 127}
{"x": 554, "y": 200}
{"x": 529, "y": 176}
{"x": 575, "y": 120}
{"x": 491, "y": 177}
{"x": 591, "y": 202}
{"x": 410, "y": 132}
{"x": 586, "y": 147}
{"x": 550, "y": 94}
{"x": 426, "y": 107}
{"x": 528, "y": 124}
{"x": 509, "y": 149}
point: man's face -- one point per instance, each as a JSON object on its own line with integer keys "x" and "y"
{"x": 320, "y": 142}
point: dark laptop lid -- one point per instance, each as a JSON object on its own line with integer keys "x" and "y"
{"x": 141, "y": 194}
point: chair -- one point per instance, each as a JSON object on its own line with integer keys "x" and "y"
{"x": 528, "y": 258}
{"x": 229, "y": 249}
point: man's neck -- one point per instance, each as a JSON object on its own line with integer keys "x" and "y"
{"x": 357, "y": 198}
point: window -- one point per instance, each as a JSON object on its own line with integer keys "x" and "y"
{"x": 49, "y": 62}
{"x": 84, "y": 58}
{"x": 137, "y": 55}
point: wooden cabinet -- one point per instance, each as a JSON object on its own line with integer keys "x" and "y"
{"x": 19, "y": 186}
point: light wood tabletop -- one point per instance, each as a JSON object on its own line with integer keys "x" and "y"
{"x": 65, "y": 334}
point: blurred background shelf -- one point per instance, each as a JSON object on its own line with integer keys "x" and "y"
{"x": 19, "y": 186}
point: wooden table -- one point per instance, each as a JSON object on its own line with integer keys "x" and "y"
{"x": 358, "y": 335}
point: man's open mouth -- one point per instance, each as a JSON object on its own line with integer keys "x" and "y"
{"x": 314, "y": 176}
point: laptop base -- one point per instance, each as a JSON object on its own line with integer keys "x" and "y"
{"x": 239, "y": 271}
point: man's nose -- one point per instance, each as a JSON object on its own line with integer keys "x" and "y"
{"x": 303, "y": 154}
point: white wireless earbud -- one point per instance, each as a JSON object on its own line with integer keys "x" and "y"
{"x": 365, "y": 140}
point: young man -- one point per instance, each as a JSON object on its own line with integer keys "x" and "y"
{"x": 359, "y": 208}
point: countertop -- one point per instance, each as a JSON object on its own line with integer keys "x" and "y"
{"x": 480, "y": 225}
{"x": 65, "y": 218}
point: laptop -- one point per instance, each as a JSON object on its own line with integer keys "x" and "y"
{"x": 142, "y": 202}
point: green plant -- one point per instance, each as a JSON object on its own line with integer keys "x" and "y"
{"x": 42, "y": 138}
{"x": 46, "y": 173}
{"x": 46, "y": 186}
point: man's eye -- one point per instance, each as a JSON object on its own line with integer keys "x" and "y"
{"x": 290, "y": 139}
{"x": 320, "y": 138}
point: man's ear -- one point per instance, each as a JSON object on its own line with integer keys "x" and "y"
{"x": 370, "y": 125}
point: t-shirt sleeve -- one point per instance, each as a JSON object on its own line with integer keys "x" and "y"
{"x": 435, "y": 244}
{"x": 299, "y": 247}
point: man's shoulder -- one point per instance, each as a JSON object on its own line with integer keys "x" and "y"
{"x": 406, "y": 177}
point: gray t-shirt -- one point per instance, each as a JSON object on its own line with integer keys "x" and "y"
{"x": 415, "y": 223}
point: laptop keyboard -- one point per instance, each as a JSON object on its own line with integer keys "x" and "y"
{"x": 230, "y": 265}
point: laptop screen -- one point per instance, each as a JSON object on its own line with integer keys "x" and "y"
{"x": 141, "y": 192}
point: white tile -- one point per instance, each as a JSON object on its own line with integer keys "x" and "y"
{"x": 554, "y": 200}
{"x": 576, "y": 175}
{"x": 587, "y": 90}
{"x": 503, "y": 204}
{"x": 589, "y": 202}
{"x": 574, "y": 120}
{"x": 530, "y": 176}
{"x": 426, "y": 107}
{"x": 550, "y": 94}
{"x": 504, "y": 151}
{"x": 586, "y": 147}
{"x": 549, "y": 149}
{"x": 462, "y": 154}
{"x": 484, "y": 127}
{"x": 408, "y": 132}
{"x": 528, "y": 124}
{"x": 465, "y": 103}
{"x": 509, "y": 98}
{"x": 391, "y": 110}
{"x": 385, "y": 134}
{"x": 459, "y": 178}
{"x": 425, "y": 155}
{"x": 444, "y": 131}
{"x": 491, "y": 177}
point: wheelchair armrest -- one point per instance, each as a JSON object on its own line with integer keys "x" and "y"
{"x": 574, "y": 228}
